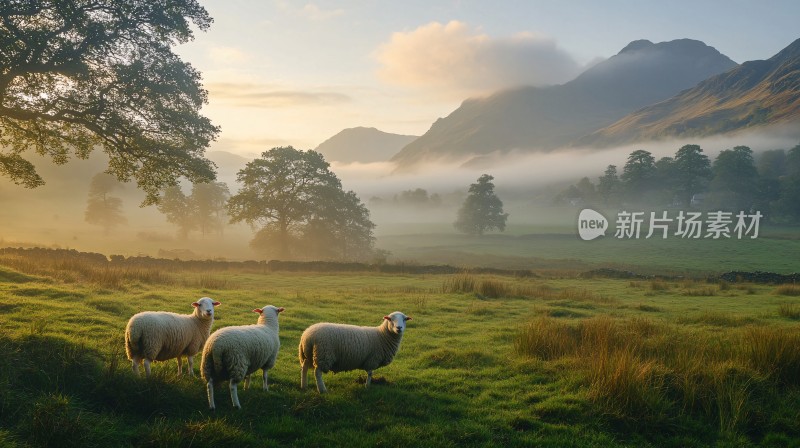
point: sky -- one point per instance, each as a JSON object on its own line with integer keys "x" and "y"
{"x": 296, "y": 73}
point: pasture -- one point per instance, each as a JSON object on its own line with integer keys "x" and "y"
{"x": 548, "y": 360}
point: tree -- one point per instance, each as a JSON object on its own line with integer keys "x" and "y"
{"x": 482, "y": 210}
{"x": 638, "y": 172}
{"x": 772, "y": 163}
{"x": 608, "y": 185}
{"x": 203, "y": 209}
{"x": 788, "y": 206}
{"x": 208, "y": 201}
{"x": 294, "y": 198}
{"x": 103, "y": 209}
{"x": 179, "y": 210}
{"x": 735, "y": 179}
{"x": 78, "y": 74}
{"x": 341, "y": 228}
{"x": 692, "y": 172}
{"x": 586, "y": 189}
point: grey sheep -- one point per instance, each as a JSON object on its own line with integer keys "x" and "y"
{"x": 160, "y": 335}
{"x": 233, "y": 353}
{"x": 338, "y": 348}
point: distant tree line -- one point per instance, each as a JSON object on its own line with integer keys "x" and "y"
{"x": 291, "y": 199}
{"x": 735, "y": 181}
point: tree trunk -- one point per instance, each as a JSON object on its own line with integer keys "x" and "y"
{"x": 283, "y": 241}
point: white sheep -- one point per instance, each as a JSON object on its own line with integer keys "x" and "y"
{"x": 233, "y": 353}
{"x": 160, "y": 335}
{"x": 339, "y": 348}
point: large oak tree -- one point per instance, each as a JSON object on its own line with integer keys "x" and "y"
{"x": 299, "y": 208}
{"x": 76, "y": 75}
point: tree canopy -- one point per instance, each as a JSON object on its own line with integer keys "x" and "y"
{"x": 102, "y": 208}
{"x": 203, "y": 209}
{"x": 639, "y": 170}
{"x": 692, "y": 171}
{"x": 735, "y": 181}
{"x": 80, "y": 74}
{"x": 482, "y": 210}
{"x": 297, "y": 202}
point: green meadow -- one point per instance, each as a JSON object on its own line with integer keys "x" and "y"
{"x": 552, "y": 359}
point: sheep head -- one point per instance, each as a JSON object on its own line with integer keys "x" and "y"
{"x": 205, "y": 307}
{"x": 397, "y": 322}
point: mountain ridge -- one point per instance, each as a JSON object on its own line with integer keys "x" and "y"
{"x": 753, "y": 94}
{"x": 362, "y": 144}
{"x": 544, "y": 118}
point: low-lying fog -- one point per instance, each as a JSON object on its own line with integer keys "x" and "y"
{"x": 53, "y": 215}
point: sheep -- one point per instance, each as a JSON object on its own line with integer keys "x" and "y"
{"x": 340, "y": 348}
{"x": 233, "y": 353}
{"x": 160, "y": 335}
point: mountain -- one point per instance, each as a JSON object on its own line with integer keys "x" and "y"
{"x": 363, "y": 145}
{"x": 754, "y": 94}
{"x": 228, "y": 164}
{"x": 544, "y": 118}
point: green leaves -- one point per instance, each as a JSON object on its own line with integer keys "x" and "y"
{"x": 76, "y": 76}
{"x": 300, "y": 207}
{"x": 482, "y": 210}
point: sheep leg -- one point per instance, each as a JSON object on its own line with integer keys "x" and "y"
{"x": 266, "y": 384}
{"x": 190, "y": 361}
{"x": 147, "y": 367}
{"x": 180, "y": 366}
{"x": 369, "y": 378}
{"x": 320, "y": 384}
{"x": 304, "y": 375}
{"x": 135, "y": 361}
{"x": 210, "y": 387}
{"x": 234, "y": 394}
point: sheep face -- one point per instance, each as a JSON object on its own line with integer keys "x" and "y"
{"x": 205, "y": 307}
{"x": 397, "y": 322}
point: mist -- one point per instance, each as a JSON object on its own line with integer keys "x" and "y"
{"x": 525, "y": 181}
{"x": 53, "y": 215}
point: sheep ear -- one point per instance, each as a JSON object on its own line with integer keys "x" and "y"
{"x": 280, "y": 310}
{"x": 216, "y": 304}
{"x": 387, "y": 318}
{"x": 195, "y": 304}
{"x": 258, "y": 310}
{"x": 408, "y": 317}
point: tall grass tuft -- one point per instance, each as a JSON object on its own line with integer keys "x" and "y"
{"x": 546, "y": 338}
{"x": 626, "y": 385}
{"x": 493, "y": 289}
{"x": 460, "y": 283}
{"x": 642, "y": 371}
{"x": 788, "y": 290}
{"x": 774, "y": 352}
{"x": 789, "y": 311}
{"x": 486, "y": 287}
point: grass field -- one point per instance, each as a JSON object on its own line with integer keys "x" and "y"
{"x": 559, "y": 248}
{"x": 486, "y": 361}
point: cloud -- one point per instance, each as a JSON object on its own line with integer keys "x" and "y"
{"x": 458, "y": 59}
{"x": 314, "y": 12}
{"x": 270, "y": 96}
